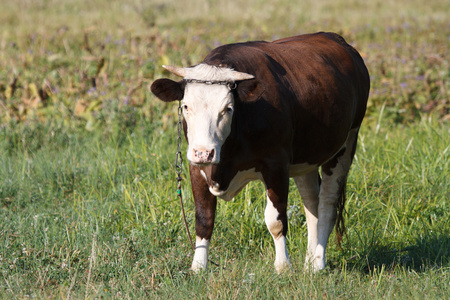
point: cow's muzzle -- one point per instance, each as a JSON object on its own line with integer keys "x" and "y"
{"x": 203, "y": 156}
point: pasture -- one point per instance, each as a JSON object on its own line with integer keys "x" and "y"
{"x": 87, "y": 183}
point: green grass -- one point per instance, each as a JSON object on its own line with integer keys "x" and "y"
{"x": 93, "y": 215}
{"x": 87, "y": 185}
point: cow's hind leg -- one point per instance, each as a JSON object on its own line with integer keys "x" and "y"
{"x": 309, "y": 186}
{"x": 277, "y": 186}
{"x": 332, "y": 197}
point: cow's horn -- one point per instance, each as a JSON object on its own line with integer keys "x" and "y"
{"x": 176, "y": 70}
{"x": 242, "y": 76}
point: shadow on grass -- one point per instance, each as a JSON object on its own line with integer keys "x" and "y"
{"x": 428, "y": 252}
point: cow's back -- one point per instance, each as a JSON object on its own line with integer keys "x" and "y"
{"x": 325, "y": 55}
{"x": 316, "y": 84}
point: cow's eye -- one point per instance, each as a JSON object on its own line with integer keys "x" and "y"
{"x": 228, "y": 109}
{"x": 185, "y": 107}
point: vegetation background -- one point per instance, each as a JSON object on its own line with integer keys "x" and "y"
{"x": 87, "y": 185}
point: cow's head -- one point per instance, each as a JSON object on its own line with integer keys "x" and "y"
{"x": 208, "y": 105}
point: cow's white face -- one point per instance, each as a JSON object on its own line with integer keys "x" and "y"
{"x": 208, "y": 111}
{"x": 208, "y": 105}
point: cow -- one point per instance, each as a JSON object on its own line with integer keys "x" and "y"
{"x": 270, "y": 111}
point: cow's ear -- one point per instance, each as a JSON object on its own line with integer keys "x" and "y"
{"x": 168, "y": 90}
{"x": 249, "y": 90}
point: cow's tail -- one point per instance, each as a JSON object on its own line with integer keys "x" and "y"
{"x": 340, "y": 224}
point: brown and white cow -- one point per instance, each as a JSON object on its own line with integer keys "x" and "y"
{"x": 270, "y": 111}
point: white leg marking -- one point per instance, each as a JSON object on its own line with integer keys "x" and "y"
{"x": 327, "y": 217}
{"x": 282, "y": 262}
{"x": 328, "y": 197}
{"x": 200, "y": 261}
{"x": 276, "y": 230}
{"x": 308, "y": 186}
{"x": 329, "y": 194}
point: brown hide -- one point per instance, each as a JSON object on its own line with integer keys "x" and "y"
{"x": 309, "y": 91}
{"x": 312, "y": 90}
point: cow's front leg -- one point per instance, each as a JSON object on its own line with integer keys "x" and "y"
{"x": 205, "y": 211}
{"x": 277, "y": 185}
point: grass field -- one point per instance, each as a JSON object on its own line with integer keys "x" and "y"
{"x": 87, "y": 185}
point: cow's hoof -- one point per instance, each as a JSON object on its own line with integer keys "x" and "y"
{"x": 198, "y": 267}
{"x": 284, "y": 267}
{"x": 314, "y": 265}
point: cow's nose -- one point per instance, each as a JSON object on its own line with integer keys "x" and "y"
{"x": 203, "y": 156}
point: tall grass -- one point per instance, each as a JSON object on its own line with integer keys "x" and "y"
{"x": 87, "y": 189}
{"x": 100, "y": 217}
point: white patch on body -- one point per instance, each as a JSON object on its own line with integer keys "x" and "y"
{"x": 243, "y": 177}
{"x": 236, "y": 185}
{"x": 200, "y": 261}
